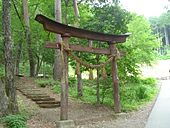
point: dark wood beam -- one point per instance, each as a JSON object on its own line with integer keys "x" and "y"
{"x": 55, "y": 27}
{"x": 80, "y": 48}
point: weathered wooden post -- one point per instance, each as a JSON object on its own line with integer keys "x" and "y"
{"x": 116, "y": 95}
{"x": 64, "y": 80}
{"x": 64, "y": 122}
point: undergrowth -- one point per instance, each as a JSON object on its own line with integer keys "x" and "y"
{"x": 15, "y": 121}
{"x": 19, "y": 120}
{"x": 165, "y": 56}
{"x": 133, "y": 93}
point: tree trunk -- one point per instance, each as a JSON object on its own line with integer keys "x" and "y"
{"x": 18, "y": 56}
{"x": 98, "y": 84}
{"x": 66, "y": 11}
{"x": 91, "y": 71}
{"x": 166, "y": 36}
{"x": 76, "y": 12}
{"x": 91, "y": 74}
{"x": 9, "y": 65}
{"x": 3, "y": 100}
{"x": 39, "y": 63}
{"x": 79, "y": 80}
{"x": 28, "y": 38}
{"x": 57, "y": 60}
{"x": 78, "y": 71}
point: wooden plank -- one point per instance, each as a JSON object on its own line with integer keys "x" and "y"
{"x": 80, "y": 48}
{"x": 49, "y": 105}
{"x": 116, "y": 95}
{"x": 43, "y": 99}
{"x": 48, "y": 102}
{"x": 55, "y": 27}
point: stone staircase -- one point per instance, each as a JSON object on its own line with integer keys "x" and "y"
{"x": 42, "y": 99}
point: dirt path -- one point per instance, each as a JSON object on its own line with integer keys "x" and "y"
{"x": 158, "y": 70}
{"x": 84, "y": 115}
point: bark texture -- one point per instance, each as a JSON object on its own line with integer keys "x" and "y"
{"x": 57, "y": 60}
{"x": 78, "y": 71}
{"x": 28, "y": 37}
{"x": 3, "y": 100}
{"x": 9, "y": 65}
{"x": 166, "y": 36}
{"x": 18, "y": 56}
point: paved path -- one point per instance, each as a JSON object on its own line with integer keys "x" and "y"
{"x": 160, "y": 115}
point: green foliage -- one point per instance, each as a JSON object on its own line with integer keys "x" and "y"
{"x": 133, "y": 93}
{"x": 15, "y": 121}
{"x": 140, "y": 48}
{"x": 136, "y": 93}
{"x": 165, "y": 56}
{"x": 46, "y": 82}
{"x": 109, "y": 19}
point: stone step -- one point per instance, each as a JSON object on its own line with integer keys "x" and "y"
{"x": 43, "y": 99}
{"x": 49, "y": 105}
{"x": 48, "y": 102}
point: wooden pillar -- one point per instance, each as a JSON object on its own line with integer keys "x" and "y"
{"x": 116, "y": 95}
{"x": 64, "y": 81}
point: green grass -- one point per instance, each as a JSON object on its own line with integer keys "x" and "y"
{"x": 133, "y": 93}
{"x": 46, "y": 82}
{"x": 165, "y": 56}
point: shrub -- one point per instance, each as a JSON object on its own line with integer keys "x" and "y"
{"x": 46, "y": 82}
{"x": 15, "y": 121}
{"x": 133, "y": 93}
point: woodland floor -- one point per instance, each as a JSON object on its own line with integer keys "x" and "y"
{"x": 84, "y": 115}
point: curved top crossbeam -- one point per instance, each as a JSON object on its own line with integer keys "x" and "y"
{"x": 62, "y": 29}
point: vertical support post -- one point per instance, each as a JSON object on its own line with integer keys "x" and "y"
{"x": 116, "y": 95}
{"x": 64, "y": 81}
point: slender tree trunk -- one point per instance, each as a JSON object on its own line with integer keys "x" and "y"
{"x": 28, "y": 38}
{"x": 57, "y": 60}
{"x": 91, "y": 71}
{"x": 79, "y": 80}
{"x": 9, "y": 65}
{"x": 98, "y": 84}
{"x": 66, "y": 11}
{"x": 166, "y": 36}
{"x": 39, "y": 63}
{"x": 18, "y": 56}
{"x": 91, "y": 74}
{"x": 76, "y": 12}
{"x": 78, "y": 71}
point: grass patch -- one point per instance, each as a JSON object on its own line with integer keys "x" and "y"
{"x": 165, "y": 56}
{"x": 15, "y": 121}
{"x": 133, "y": 93}
{"x": 44, "y": 82}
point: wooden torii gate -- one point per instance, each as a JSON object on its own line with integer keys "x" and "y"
{"x": 67, "y": 32}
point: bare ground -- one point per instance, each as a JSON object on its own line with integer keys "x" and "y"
{"x": 84, "y": 115}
